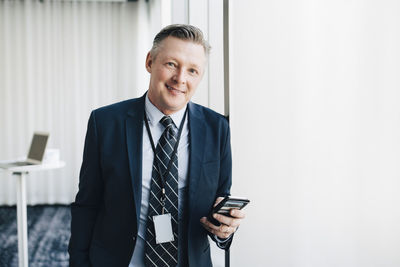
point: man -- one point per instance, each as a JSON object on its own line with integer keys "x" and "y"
{"x": 153, "y": 167}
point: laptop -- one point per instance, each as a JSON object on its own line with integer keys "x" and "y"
{"x": 35, "y": 154}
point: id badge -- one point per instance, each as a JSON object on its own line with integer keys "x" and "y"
{"x": 163, "y": 228}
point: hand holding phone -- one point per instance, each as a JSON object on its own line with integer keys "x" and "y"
{"x": 224, "y": 207}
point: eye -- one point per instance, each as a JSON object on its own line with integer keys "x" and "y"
{"x": 170, "y": 64}
{"x": 193, "y": 71}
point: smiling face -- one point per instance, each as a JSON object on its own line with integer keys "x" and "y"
{"x": 175, "y": 72}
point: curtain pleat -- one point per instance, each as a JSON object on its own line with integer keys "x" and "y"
{"x": 58, "y": 61}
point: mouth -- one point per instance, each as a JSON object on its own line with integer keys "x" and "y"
{"x": 174, "y": 90}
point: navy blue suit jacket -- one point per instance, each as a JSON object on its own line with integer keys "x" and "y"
{"x": 105, "y": 214}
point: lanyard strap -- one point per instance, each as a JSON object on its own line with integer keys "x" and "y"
{"x": 172, "y": 156}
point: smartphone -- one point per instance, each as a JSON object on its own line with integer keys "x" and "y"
{"x": 225, "y": 206}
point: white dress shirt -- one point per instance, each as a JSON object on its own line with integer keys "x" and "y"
{"x": 156, "y": 128}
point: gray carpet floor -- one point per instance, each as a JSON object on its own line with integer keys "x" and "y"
{"x": 48, "y": 236}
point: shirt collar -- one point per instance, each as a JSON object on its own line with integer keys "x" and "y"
{"x": 154, "y": 115}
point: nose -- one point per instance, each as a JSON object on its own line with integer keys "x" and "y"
{"x": 179, "y": 77}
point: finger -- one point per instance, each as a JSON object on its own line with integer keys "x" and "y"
{"x": 222, "y": 231}
{"x": 218, "y": 232}
{"x": 233, "y": 222}
{"x": 226, "y": 229}
{"x": 240, "y": 214}
{"x": 208, "y": 228}
{"x": 209, "y": 224}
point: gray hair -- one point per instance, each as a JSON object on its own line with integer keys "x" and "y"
{"x": 183, "y": 32}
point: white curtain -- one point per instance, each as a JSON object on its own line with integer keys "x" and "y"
{"x": 58, "y": 61}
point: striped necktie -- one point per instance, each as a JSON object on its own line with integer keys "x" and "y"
{"x": 164, "y": 254}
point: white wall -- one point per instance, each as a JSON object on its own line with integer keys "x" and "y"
{"x": 315, "y": 132}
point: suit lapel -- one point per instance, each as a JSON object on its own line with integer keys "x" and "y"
{"x": 134, "y": 141}
{"x": 197, "y": 145}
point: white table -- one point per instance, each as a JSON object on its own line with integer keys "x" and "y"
{"x": 21, "y": 173}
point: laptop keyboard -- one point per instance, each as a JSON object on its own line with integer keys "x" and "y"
{"x": 14, "y": 164}
{"x": 22, "y": 163}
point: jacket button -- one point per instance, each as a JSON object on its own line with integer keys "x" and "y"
{"x": 134, "y": 238}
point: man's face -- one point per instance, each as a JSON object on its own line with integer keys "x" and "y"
{"x": 176, "y": 71}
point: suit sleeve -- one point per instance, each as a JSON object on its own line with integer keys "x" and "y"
{"x": 225, "y": 182}
{"x": 88, "y": 200}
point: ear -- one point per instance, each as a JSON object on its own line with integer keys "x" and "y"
{"x": 149, "y": 62}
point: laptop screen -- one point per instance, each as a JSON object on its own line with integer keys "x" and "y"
{"x": 38, "y": 146}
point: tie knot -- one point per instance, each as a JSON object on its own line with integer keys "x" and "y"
{"x": 166, "y": 121}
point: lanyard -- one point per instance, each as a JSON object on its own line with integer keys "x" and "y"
{"x": 162, "y": 178}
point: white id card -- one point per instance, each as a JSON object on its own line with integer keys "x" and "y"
{"x": 163, "y": 228}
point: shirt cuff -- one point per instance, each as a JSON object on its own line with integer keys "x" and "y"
{"x": 221, "y": 241}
